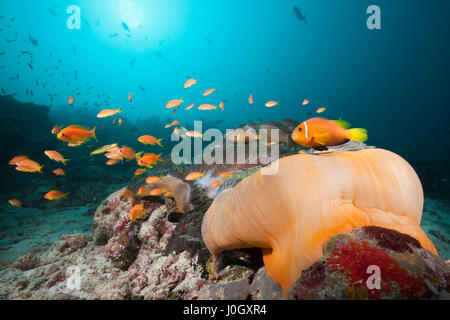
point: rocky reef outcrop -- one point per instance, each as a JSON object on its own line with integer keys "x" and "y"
{"x": 154, "y": 258}
{"x": 159, "y": 257}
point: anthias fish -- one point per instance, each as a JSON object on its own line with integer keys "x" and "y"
{"x": 189, "y": 83}
{"x": 76, "y": 134}
{"x": 108, "y": 113}
{"x": 55, "y": 195}
{"x": 55, "y": 156}
{"x": 151, "y": 140}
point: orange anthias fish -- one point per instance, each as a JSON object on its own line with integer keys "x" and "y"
{"x": 189, "y": 83}
{"x": 70, "y": 100}
{"x": 149, "y": 159}
{"x": 189, "y": 107}
{"x": 194, "y": 176}
{"x": 138, "y": 172}
{"x": 114, "y": 155}
{"x": 56, "y": 129}
{"x": 221, "y": 105}
{"x": 151, "y": 140}
{"x": 128, "y": 153}
{"x": 56, "y": 156}
{"x": 270, "y": 104}
{"x": 174, "y": 103}
{"x": 216, "y": 184}
{"x": 108, "y": 113}
{"x": 305, "y": 102}
{"x": 225, "y": 175}
{"x": 207, "y": 107}
{"x": 175, "y": 122}
{"x": 158, "y": 192}
{"x": 111, "y": 162}
{"x": 75, "y": 144}
{"x": 208, "y": 92}
{"x": 17, "y": 159}
{"x": 150, "y": 180}
{"x": 59, "y": 172}
{"x": 194, "y": 134}
{"x": 320, "y": 110}
{"x": 127, "y": 194}
{"x": 130, "y": 97}
{"x": 55, "y": 195}
{"x": 120, "y": 121}
{"x": 76, "y": 135}
{"x": 143, "y": 191}
{"x": 250, "y": 99}
{"x": 318, "y": 133}
{"x": 15, "y": 203}
{"x": 137, "y": 212}
{"x": 28, "y": 165}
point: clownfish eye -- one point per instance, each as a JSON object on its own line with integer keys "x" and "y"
{"x": 299, "y": 129}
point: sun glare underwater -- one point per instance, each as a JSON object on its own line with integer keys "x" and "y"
{"x": 196, "y": 150}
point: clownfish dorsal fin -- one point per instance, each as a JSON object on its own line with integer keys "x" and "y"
{"x": 341, "y": 123}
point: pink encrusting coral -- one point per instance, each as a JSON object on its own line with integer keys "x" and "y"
{"x": 353, "y": 259}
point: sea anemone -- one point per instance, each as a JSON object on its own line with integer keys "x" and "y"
{"x": 291, "y": 214}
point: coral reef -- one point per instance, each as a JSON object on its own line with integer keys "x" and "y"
{"x": 162, "y": 255}
{"x": 407, "y": 271}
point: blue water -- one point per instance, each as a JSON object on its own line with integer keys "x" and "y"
{"x": 394, "y": 82}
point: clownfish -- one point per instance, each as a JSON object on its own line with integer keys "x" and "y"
{"x": 318, "y": 133}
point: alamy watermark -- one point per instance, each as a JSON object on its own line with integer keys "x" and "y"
{"x": 374, "y": 20}
{"x": 74, "y": 20}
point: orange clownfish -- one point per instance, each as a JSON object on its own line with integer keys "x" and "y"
{"x": 318, "y": 133}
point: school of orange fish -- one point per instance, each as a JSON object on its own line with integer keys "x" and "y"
{"x": 76, "y": 135}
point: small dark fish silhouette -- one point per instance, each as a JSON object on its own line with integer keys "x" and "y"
{"x": 52, "y": 12}
{"x": 30, "y": 65}
{"x": 10, "y": 41}
{"x": 33, "y": 41}
{"x": 299, "y": 14}
{"x": 2, "y": 53}
{"x": 124, "y": 25}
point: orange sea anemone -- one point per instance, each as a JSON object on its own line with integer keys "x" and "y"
{"x": 291, "y": 214}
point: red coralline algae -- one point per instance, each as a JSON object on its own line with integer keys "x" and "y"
{"x": 354, "y": 258}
